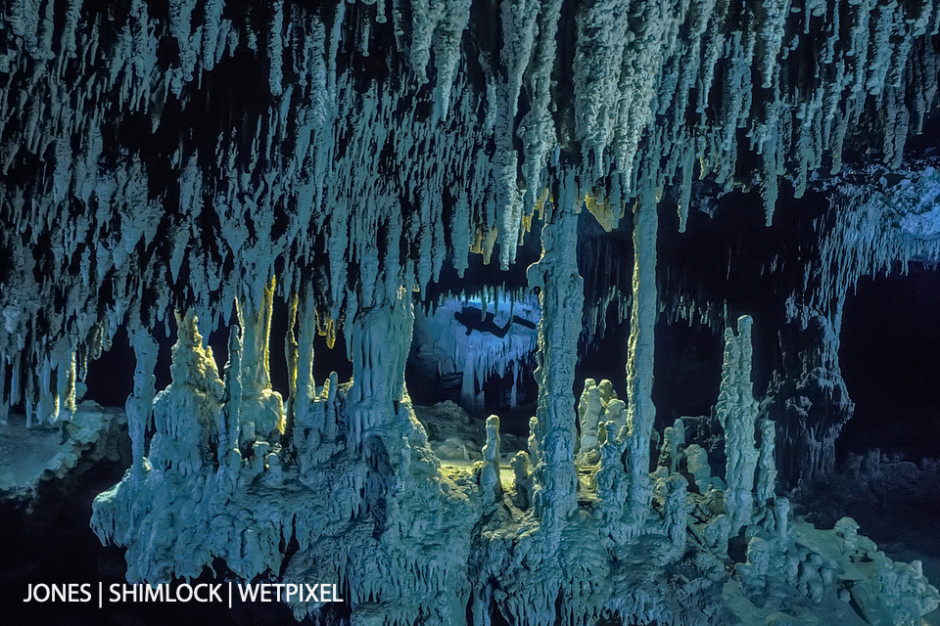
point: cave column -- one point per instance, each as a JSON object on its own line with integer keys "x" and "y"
{"x": 562, "y": 302}
{"x": 641, "y": 412}
{"x": 379, "y": 339}
{"x": 228, "y": 453}
{"x": 47, "y": 401}
{"x": 261, "y": 411}
{"x": 808, "y": 397}
{"x": 4, "y": 403}
{"x": 139, "y": 405}
{"x": 302, "y": 334}
{"x": 255, "y": 319}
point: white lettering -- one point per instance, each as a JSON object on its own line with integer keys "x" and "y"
{"x": 249, "y": 593}
{"x": 292, "y": 591}
{"x": 70, "y": 592}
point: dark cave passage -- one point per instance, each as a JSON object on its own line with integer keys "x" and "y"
{"x": 890, "y": 361}
{"x": 890, "y": 358}
{"x": 687, "y": 371}
{"x": 110, "y": 378}
{"x": 687, "y": 367}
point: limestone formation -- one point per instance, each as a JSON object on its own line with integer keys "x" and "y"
{"x": 201, "y": 166}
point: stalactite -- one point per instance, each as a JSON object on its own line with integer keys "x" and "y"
{"x": 632, "y": 65}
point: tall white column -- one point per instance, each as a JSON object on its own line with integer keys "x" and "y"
{"x": 562, "y": 302}
{"x": 641, "y": 412}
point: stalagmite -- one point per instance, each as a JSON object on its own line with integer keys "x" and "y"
{"x": 489, "y": 474}
{"x": 766, "y": 463}
{"x": 185, "y": 413}
{"x": 522, "y": 483}
{"x": 669, "y": 451}
{"x": 589, "y": 413}
{"x": 698, "y": 468}
{"x": 676, "y": 513}
{"x": 737, "y": 414}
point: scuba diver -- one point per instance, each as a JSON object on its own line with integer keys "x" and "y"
{"x": 473, "y": 319}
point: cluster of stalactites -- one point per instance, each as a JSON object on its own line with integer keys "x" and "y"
{"x": 875, "y": 226}
{"x": 331, "y": 155}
